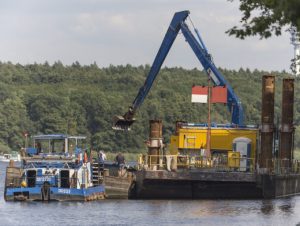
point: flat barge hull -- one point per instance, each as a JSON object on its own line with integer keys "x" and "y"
{"x": 213, "y": 185}
{"x": 162, "y": 189}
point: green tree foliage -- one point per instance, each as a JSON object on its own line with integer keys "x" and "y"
{"x": 266, "y": 17}
{"x": 13, "y": 120}
{"x": 82, "y": 100}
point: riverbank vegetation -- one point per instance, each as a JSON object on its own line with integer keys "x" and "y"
{"x": 82, "y": 100}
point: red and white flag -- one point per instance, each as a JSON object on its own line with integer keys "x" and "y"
{"x": 199, "y": 94}
{"x": 218, "y": 94}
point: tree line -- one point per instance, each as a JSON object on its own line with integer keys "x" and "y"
{"x": 82, "y": 100}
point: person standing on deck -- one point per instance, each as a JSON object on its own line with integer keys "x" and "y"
{"x": 101, "y": 157}
{"x": 120, "y": 160}
{"x": 38, "y": 147}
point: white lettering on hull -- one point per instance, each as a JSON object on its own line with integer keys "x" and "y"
{"x": 64, "y": 191}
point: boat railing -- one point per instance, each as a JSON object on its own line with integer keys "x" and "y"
{"x": 48, "y": 158}
{"x": 30, "y": 165}
{"x": 175, "y": 162}
{"x": 60, "y": 182}
{"x": 13, "y": 182}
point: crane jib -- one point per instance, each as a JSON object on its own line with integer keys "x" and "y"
{"x": 200, "y": 50}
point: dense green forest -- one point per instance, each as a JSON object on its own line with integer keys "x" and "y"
{"x": 82, "y": 100}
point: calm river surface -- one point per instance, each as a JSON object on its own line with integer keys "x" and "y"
{"x": 150, "y": 212}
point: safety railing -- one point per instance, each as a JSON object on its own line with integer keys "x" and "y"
{"x": 12, "y": 182}
{"x": 176, "y": 162}
{"x": 281, "y": 166}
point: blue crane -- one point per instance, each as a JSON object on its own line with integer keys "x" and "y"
{"x": 178, "y": 23}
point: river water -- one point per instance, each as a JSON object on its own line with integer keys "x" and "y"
{"x": 150, "y": 212}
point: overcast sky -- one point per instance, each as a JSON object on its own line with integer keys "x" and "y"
{"x": 129, "y": 31}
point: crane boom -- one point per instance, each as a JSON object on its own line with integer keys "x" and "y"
{"x": 177, "y": 24}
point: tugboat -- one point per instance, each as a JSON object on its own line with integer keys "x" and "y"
{"x": 57, "y": 167}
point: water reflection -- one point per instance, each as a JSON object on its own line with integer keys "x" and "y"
{"x": 286, "y": 208}
{"x": 284, "y": 211}
{"x": 267, "y": 207}
{"x": 286, "y": 205}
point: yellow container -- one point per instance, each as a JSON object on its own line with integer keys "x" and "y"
{"x": 221, "y": 138}
{"x": 233, "y": 159}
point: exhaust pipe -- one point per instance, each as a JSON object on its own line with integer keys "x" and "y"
{"x": 156, "y": 143}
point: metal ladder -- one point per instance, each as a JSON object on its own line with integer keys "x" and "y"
{"x": 97, "y": 173}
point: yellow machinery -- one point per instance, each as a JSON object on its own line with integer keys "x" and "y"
{"x": 190, "y": 140}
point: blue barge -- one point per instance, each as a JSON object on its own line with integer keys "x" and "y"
{"x": 57, "y": 167}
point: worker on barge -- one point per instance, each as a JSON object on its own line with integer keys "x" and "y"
{"x": 120, "y": 160}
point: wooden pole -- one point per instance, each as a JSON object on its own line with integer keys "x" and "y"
{"x": 208, "y": 154}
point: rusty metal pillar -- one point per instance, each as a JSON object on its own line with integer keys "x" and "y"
{"x": 155, "y": 145}
{"x": 267, "y": 121}
{"x": 287, "y": 128}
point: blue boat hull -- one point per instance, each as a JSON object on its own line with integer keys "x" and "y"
{"x": 55, "y": 194}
